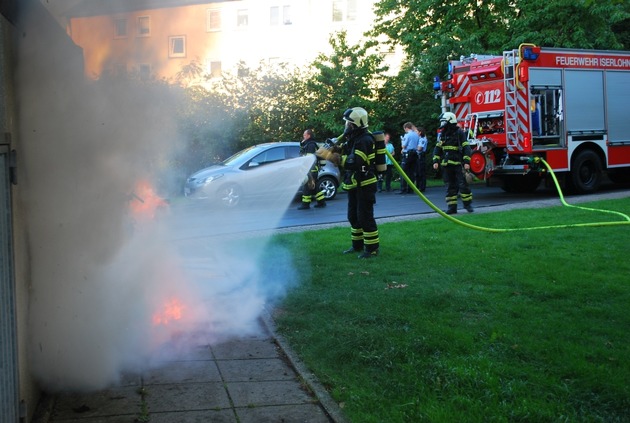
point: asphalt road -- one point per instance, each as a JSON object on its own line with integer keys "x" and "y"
{"x": 190, "y": 219}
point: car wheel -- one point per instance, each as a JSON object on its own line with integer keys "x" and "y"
{"x": 230, "y": 195}
{"x": 329, "y": 186}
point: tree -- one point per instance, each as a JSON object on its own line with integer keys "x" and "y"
{"x": 350, "y": 77}
{"x": 267, "y": 103}
{"x": 433, "y": 31}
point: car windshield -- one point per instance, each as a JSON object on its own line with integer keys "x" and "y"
{"x": 242, "y": 155}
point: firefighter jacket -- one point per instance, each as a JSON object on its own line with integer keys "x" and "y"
{"x": 358, "y": 156}
{"x": 452, "y": 148}
{"x": 310, "y": 147}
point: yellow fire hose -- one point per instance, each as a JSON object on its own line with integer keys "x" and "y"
{"x": 481, "y": 228}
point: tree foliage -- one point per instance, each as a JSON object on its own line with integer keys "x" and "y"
{"x": 350, "y": 77}
{"x": 434, "y": 31}
{"x": 266, "y": 103}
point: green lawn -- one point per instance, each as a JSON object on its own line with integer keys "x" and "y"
{"x": 451, "y": 324}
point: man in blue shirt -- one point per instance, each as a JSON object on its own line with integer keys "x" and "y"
{"x": 409, "y": 156}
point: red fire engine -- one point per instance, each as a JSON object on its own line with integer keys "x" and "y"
{"x": 570, "y": 107}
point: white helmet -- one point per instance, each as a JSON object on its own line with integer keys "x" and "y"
{"x": 357, "y": 116}
{"x": 446, "y": 118}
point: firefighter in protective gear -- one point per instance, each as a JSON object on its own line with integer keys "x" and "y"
{"x": 358, "y": 164}
{"x": 309, "y": 189}
{"x": 452, "y": 152}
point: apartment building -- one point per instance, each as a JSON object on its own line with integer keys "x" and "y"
{"x": 158, "y": 38}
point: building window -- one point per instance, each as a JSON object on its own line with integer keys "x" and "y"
{"x": 344, "y": 10}
{"x": 214, "y": 68}
{"x": 177, "y": 46}
{"x": 351, "y": 10}
{"x": 286, "y": 15}
{"x": 275, "y": 18}
{"x": 242, "y": 18}
{"x": 213, "y": 20}
{"x": 120, "y": 28}
{"x": 144, "y": 26}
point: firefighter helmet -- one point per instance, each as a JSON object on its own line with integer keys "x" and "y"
{"x": 446, "y": 118}
{"x": 357, "y": 116}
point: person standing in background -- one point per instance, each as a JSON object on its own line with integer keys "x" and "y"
{"x": 409, "y": 146}
{"x": 390, "y": 167}
{"x": 309, "y": 189}
{"x": 421, "y": 169}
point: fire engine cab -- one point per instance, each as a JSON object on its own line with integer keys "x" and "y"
{"x": 570, "y": 107}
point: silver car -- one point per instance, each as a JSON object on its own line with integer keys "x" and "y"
{"x": 229, "y": 182}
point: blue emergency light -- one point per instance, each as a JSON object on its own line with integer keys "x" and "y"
{"x": 436, "y": 83}
{"x": 531, "y": 52}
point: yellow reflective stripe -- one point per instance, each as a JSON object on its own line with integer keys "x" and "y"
{"x": 370, "y": 238}
{"x": 368, "y": 181}
{"x": 361, "y": 154}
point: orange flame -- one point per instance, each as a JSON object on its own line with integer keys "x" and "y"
{"x": 173, "y": 310}
{"x": 145, "y": 202}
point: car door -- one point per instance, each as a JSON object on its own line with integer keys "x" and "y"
{"x": 258, "y": 176}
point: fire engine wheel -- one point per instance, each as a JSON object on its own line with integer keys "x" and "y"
{"x": 586, "y": 172}
{"x": 478, "y": 164}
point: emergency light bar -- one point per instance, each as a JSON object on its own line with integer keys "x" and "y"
{"x": 530, "y": 52}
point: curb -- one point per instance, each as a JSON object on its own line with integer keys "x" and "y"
{"x": 331, "y": 408}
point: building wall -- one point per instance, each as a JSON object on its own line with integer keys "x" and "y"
{"x": 299, "y": 31}
{"x": 17, "y": 385}
{"x": 26, "y": 37}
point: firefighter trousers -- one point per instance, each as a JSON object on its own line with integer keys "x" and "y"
{"x": 364, "y": 232}
{"x": 456, "y": 183}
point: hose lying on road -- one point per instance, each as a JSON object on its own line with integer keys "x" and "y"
{"x": 481, "y": 228}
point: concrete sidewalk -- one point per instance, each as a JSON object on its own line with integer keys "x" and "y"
{"x": 248, "y": 380}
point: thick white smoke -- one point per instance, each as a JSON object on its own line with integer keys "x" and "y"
{"x": 109, "y": 287}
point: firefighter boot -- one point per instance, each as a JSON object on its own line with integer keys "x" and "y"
{"x": 468, "y": 207}
{"x": 368, "y": 254}
{"x": 304, "y": 206}
{"x": 452, "y": 209}
{"x": 321, "y": 199}
{"x": 357, "y": 241}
